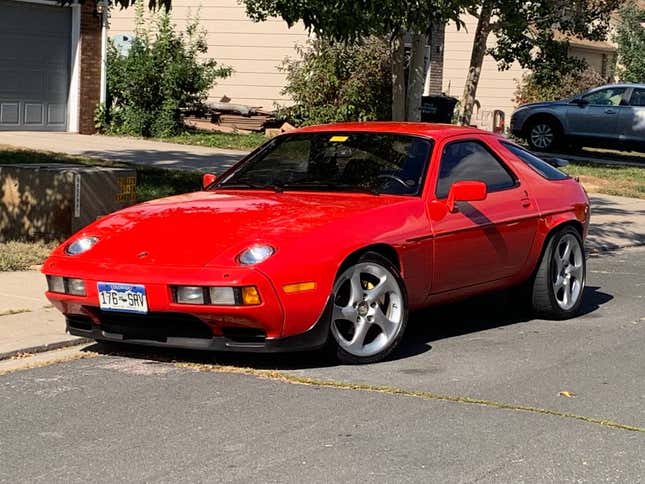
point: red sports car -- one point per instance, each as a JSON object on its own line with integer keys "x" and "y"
{"x": 329, "y": 235}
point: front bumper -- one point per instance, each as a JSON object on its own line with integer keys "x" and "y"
{"x": 280, "y": 322}
{"x": 247, "y": 342}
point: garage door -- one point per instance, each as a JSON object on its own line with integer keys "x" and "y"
{"x": 34, "y": 66}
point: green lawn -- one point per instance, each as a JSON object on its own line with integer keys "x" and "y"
{"x": 231, "y": 141}
{"x": 625, "y": 181}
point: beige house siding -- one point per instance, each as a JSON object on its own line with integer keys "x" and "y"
{"x": 253, "y": 50}
{"x": 496, "y": 88}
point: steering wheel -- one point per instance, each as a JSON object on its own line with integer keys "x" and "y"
{"x": 395, "y": 178}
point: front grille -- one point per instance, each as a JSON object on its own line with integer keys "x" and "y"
{"x": 154, "y": 326}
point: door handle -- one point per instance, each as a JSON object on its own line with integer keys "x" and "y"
{"x": 610, "y": 111}
{"x": 525, "y": 200}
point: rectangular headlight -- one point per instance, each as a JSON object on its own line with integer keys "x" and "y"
{"x": 76, "y": 287}
{"x": 190, "y": 294}
{"x": 56, "y": 284}
{"x": 222, "y": 295}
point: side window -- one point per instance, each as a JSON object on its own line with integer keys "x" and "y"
{"x": 638, "y": 98}
{"x": 606, "y": 97}
{"x": 542, "y": 167}
{"x": 471, "y": 160}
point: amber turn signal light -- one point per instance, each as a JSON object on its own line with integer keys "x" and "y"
{"x": 250, "y": 296}
{"x": 299, "y": 287}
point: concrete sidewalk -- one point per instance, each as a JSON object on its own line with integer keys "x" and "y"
{"x": 29, "y": 324}
{"x": 129, "y": 150}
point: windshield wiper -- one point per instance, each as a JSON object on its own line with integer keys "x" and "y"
{"x": 331, "y": 186}
{"x": 255, "y": 186}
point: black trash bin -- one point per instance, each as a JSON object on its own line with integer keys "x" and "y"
{"x": 437, "y": 109}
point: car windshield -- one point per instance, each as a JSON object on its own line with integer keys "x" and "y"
{"x": 344, "y": 161}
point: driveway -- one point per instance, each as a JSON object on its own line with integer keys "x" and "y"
{"x": 129, "y": 150}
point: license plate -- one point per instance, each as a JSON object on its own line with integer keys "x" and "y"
{"x": 129, "y": 298}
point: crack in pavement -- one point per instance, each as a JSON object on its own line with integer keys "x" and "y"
{"x": 275, "y": 375}
{"x": 425, "y": 395}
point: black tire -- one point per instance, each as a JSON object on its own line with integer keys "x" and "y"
{"x": 545, "y": 298}
{"x": 334, "y": 350}
{"x": 543, "y": 134}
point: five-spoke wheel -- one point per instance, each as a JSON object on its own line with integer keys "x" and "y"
{"x": 369, "y": 312}
{"x": 560, "y": 279}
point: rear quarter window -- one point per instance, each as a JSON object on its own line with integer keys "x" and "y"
{"x": 540, "y": 166}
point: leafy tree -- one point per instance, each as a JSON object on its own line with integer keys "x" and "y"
{"x": 533, "y": 88}
{"x": 163, "y": 74}
{"x": 532, "y": 34}
{"x": 348, "y": 20}
{"x": 630, "y": 37}
{"x": 332, "y": 81}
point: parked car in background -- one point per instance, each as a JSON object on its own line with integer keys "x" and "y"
{"x": 608, "y": 116}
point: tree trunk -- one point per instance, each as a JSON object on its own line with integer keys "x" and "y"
{"x": 476, "y": 61}
{"x": 398, "y": 77}
{"x": 416, "y": 77}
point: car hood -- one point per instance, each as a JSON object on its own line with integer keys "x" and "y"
{"x": 194, "y": 229}
{"x": 544, "y": 104}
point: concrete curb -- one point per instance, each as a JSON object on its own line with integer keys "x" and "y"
{"x": 46, "y": 347}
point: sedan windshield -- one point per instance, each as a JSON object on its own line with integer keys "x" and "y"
{"x": 327, "y": 161}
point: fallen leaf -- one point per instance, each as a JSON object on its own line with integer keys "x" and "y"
{"x": 566, "y": 393}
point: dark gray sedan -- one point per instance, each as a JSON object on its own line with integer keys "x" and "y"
{"x": 607, "y": 116}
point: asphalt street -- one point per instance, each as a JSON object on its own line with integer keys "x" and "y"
{"x": 480, "y": 392}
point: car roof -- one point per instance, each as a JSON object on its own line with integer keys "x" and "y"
{"x": 620, "y": 84}
{"x": 436, "y": 131}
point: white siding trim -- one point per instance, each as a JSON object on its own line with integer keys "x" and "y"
{"x": 73, "y": 98}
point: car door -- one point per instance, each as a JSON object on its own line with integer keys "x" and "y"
{"x": 597, "y": 113}
{"x": 632, "y": 117}
{"x": 486, "y": 240}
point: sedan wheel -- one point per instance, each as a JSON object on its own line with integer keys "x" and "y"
{"x": 560, "y": 279}
{"x": 370, "y": 311}
{"x": 542, "y": 135}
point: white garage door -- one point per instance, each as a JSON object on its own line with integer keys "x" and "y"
{"x": 34, "y": 66}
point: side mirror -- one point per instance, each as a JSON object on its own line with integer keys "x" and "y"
{"x": 465, "y": 191}
{"x": 208, "y": 179}
{"x": 579, "y": 102}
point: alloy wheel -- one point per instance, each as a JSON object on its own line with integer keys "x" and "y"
{"x": 568, "y": 275}
{"x": 542, "y": 135}
{"x": 368, "y": 311}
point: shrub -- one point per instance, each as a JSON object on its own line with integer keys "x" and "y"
{"x": 160, "y": 76}
{"x": 530, "y": 89}
{"x": 339, "y": 82}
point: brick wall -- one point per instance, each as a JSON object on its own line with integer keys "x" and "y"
{"x": 90, "y": 67}
{"x": 437, "y": 40}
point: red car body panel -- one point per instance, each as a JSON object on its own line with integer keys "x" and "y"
{"x": 194, "y": 239}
